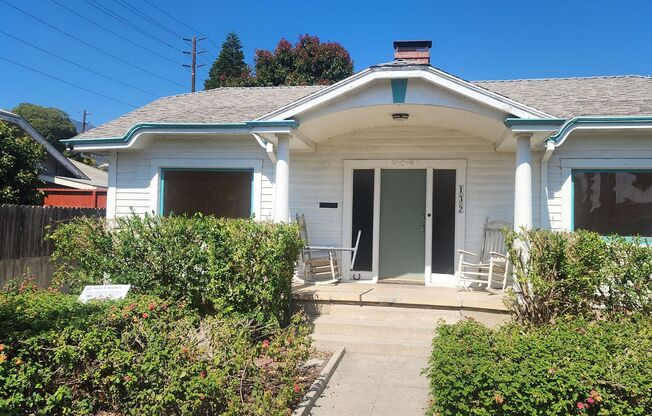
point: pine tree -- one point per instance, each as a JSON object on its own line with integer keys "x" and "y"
{"x": 229, "y": 69}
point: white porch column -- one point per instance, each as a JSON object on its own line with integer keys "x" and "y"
{"x": 523, "y": 183}
{"x": 282, "y": 181}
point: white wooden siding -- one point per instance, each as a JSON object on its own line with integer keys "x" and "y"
{"x": 596, "y": 148}
{"x": 134, "y": 168}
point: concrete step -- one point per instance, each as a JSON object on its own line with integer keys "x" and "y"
{"x": 392, "y": 314}
{"x": 372, "y": 345}
{"x": 335, "y": 325}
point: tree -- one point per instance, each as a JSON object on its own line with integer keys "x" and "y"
{"x": 229, "y": 69}
{"x": 52, "y": 123}
{"x": 308, "y": 62}
{"x": 20, "y": 165}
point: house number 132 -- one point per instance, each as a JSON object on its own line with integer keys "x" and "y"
{"x": 460, "y": 199}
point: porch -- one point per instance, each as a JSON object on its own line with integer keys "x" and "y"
{"x": 402, "y": 295}
{"x": 394, "y": 319}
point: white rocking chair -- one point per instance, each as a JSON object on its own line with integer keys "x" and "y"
{"x": 491, "y": 265}
{"x": 323, "y": 268}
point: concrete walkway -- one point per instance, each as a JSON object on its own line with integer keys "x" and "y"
{"x": 375, "y": 385}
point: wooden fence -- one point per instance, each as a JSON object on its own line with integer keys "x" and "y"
{"x": 23, "y": 246}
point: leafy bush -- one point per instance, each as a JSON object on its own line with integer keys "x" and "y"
{"x": 572, "y": 367}
{"x": 578, "y": 274}
{"x": 225, "y": 265}
{"x": 141, "y": 356}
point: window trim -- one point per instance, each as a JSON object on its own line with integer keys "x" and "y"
{"x": 158, "y": 166}
{"x": 591, "y": 165}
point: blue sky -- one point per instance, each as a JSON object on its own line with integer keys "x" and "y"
{"x": 472, "y": 39}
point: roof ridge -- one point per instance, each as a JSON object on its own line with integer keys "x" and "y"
{"x": 564, "y": 78}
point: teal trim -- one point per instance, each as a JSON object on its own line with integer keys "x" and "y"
{"x": 572, "y": 201}
{"x": 576, "y": 121}
{"x": 161, "y": 192}
{"x": 554, "y": 122}
{"x": 399, "y": 90}
{"x": 245, "y": 126}
{"x": 293, "y": 124}
{"x": 162, "y": 183}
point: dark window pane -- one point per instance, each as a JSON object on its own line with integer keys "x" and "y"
{"x": 609, "y": 203}
{"x": 443, "y": 221}
{"x": 220, "y": 193}
{"x": 363, "y": 217}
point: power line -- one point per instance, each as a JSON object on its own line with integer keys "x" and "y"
{"x": 131, "y": 64}
{"x": 142, "y": 15}
{"x": 182, "y": 23}
{"x": 76, "y": 64}
{"x": 128, "y": 23}
{"x": 66, "y": 82}
{"x": 116, "y": 34}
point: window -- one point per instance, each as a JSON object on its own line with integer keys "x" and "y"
{"x": 613, "y": 201}
{"x": 223, "y": 193}
{"x": 363, "y": 217}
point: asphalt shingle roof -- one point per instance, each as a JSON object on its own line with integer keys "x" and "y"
{"x": 571, "y": 97}
{"x": 220, "y": 105}
{"x": 560, "y": 97}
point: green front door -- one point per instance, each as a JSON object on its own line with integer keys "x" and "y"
{"x": 402, "y": 223}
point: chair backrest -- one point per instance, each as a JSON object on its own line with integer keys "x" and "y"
{"x": 303, "y": 233}
{"x": 493, "y": 238}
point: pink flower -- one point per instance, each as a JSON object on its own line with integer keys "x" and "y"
{"x": 296, "y": 388}
{"x": 580, "y": 405}
{"x": 145, "y": 315}
{"x": 590, "y": 400}
{"x": 202, "y": 374}
{"x": 266, "y": 344}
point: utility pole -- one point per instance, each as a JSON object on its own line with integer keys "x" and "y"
{"x": 193, "y": 66}
{"x": 84, "y": 114}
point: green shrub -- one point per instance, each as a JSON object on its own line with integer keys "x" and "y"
{"x": 603, "y": 367}
{"x": 141, "y": 356}
{"x": 578, "y": 274}
{"x": 225, "y": 265}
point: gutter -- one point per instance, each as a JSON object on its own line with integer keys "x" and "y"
{"x": 601, "y": 122}
{"x": 245, "y": 127}
{"x": 562, "y": 128}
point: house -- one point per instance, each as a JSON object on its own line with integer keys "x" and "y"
{"x": 64, "y": 191}
{"x": 68, "y": 183}
{"x": 415, "y": 157}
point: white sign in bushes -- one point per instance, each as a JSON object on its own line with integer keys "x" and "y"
{"x": 104, "y": 292}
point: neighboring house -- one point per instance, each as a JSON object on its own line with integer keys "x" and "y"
{"x": 76, "y": 192}
{"x": 414, "y": 157}
{"x": 68, "y": 183}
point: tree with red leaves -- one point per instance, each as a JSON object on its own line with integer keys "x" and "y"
{"x": 308, "y": 62}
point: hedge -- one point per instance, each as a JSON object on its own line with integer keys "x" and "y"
{"x": 579, "y": 274}
{"x": 224, "y": 265}
{"x": 572, "y": 367}
{"x": 141, "y": 356}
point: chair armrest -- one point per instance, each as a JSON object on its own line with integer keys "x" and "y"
{"x": 325, "y": 248}
{"x": 468, "y": 252}
{"x": 493, "y": 253}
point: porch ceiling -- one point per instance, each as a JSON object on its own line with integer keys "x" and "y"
{"x": 322, "y": 127}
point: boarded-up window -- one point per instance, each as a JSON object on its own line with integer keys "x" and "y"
{"x": 613, "y": 202}
{"x": 211, "y": 192}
